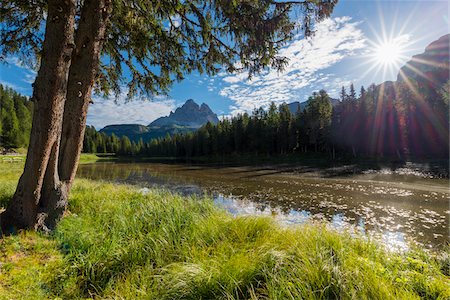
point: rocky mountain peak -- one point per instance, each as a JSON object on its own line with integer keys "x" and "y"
{"x": 190, "y": 104}
{"x": 190, "y": 114}
{"x": 205, "y": 108}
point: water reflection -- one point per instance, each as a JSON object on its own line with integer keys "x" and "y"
{"x": 395, "y": 207}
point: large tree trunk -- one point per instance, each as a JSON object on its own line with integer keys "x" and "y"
{"x": 85, "y": 63}
{"x": 60, "y": 118}
{"x": 48, "y": 96}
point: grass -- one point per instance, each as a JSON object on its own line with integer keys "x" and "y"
{"x": 118, "y": 243}
{"x": 10, "y": 172}
{"x": 87, "y": 158}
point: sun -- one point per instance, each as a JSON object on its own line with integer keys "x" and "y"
{"x": 388, "y": 53}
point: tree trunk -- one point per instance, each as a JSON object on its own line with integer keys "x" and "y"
{"x": 85, "y": 64}
{"x": 53, "y": 202}
{"x": 48, "y": 96}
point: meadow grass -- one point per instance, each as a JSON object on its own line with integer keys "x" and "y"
{"x": 118, "y": 243}
{"x": 86, "y": 158}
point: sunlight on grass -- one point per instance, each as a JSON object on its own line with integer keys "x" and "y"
{"x": 118, "y": 243}
{"x": 28, "y": 263}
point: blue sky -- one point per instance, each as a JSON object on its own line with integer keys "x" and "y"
{"x": 341, "y": 52}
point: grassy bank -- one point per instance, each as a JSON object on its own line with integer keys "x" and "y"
{"x": 118, "y": 243}
{"x": 85, "y": 158}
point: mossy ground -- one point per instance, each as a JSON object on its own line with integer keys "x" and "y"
{"x": 116, "y": 242}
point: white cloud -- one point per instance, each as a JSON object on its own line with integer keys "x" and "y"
{"x": 14, "y": 60}
{"x": 11, "y": 85}
{"x": 137, "y": 111}
{"x": 29, "y": 78}
{"x": 335, "y": 39}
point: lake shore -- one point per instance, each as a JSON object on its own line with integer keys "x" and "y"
{"x": 117, "y": 242}
{"x": 323, "y": 164}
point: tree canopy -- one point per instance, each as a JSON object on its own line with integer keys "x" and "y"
{"x": 152, "y": 43}
{"x": 15, "y": 118}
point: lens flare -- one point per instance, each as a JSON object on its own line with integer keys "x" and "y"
{"x": 388, "y": 53}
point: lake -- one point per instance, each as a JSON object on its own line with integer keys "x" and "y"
{"x": 408, "y": 202}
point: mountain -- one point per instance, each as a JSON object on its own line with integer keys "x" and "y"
{"x": 132, "y": 131}
{"x": 425, "y": 74}
{"x": 432, "y": 66}
{"x": 189, "y": 117}
{"x": 125, "y": 129}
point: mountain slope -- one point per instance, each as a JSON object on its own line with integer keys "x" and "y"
{"x": 133, "y": 131}
{"x": 432, "y": 66}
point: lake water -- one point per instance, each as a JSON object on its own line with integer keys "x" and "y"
{"x": 394, "y": 204}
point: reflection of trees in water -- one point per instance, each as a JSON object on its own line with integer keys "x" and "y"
{"x": 137, "y": 174}
{"x": 111, "y": 171}
{"x": 103, "y": 171}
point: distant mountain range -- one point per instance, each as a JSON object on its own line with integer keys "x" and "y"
{"x": 186, "y": 118}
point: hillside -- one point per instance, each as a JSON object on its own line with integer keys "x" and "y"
{"x": 431, "y": 66}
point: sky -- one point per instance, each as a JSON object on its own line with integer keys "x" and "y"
{"x": 363, "y": 42}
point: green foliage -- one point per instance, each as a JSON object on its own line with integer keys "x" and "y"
{"x": 15, "y": 119}
{"x": 117, "y": 242}
{"x": 21, "y": 30}
{"x": 317, "y": 116}
{"x": 158, "y": 42}
{"x": 97, "y": 142}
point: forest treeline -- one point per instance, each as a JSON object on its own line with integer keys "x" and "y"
{"x": 391, "y": 120}
{"x": 15, "y": 119}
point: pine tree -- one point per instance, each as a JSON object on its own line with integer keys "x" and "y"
{"x": 10, "y": 123}
{"x": 343, "y": 94}
{"x": 362, "y": 93}
{"x": 352, "y": 94}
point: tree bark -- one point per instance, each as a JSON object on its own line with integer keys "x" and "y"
{"x": 62, "y": 96}
{"x": 85, "y": 64}
{"x": 49, "y": 95}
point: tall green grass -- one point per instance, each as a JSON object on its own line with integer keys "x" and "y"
{"x": 118, "y": 243}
